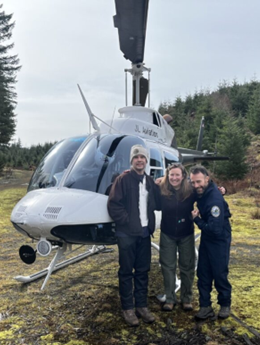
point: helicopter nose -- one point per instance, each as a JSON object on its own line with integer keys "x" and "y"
{"x": 40, "y": 211}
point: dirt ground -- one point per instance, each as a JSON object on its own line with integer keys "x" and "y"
{"x": 80, "y": 304}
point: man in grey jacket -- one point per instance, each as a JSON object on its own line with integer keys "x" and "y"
{"x": 131, "y": 204}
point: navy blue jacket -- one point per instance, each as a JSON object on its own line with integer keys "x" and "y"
{"x": 214, "y": 214}
{"x": 177, "y": 220}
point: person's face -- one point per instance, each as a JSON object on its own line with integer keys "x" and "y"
{"x": 199, "y": 182}
{"x": 139, "y": 164}
{"x": 175, "y": 177}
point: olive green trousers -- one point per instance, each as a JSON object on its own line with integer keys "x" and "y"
{"x": 177, "y": 253}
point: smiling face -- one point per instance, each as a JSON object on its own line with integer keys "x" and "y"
{"x": 139, "y": 164}
{"x": 175, "y": 178}
{"x": 199, "y": 182}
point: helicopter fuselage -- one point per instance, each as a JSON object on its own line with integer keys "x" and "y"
{"x": 66, "y": 200}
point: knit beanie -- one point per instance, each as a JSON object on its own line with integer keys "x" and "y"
{"x": 139, "y": 150}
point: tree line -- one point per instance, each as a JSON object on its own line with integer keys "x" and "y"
{"x": 18, "y": 157}
{"x": 232, "y": 118}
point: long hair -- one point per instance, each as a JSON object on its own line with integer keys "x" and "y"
{"x": 185, "y": 188}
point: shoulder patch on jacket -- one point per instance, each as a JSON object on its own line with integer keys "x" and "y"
{"x": 215, "y": 211}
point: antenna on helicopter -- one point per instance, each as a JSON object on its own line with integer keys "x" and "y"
{"x": 130, "y": 20}
{"x": 93, "y": 116}
{"x": 200, "y": 137}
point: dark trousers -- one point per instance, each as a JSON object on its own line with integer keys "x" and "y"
{"x": 213, "y": 266}
{"x": 134, "y": 265}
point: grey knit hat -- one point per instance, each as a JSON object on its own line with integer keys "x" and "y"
{"x": 139, "y": 150}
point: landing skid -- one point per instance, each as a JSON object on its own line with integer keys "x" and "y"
{"x": 54, "y": 266}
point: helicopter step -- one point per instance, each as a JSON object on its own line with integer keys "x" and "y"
{"x": 54, "y": 266}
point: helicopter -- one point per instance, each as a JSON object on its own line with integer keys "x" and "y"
{"x": 66, "y": 200}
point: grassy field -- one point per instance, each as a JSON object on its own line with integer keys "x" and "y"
{"x": 80, "y": 304}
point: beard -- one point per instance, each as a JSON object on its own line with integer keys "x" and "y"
{"x": 200, "y": 190}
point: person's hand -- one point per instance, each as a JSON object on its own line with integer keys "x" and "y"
{"x": 222, "y": 190}
{"x": 195, "y": 213}
{"x": 158, "y": 180}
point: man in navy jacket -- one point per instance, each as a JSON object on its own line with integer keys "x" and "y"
{"x": 212, "y": 218}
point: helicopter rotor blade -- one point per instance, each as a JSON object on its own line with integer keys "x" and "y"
{"x": 130, "y": 19}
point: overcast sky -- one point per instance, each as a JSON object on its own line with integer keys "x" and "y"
{"x": 190, "y": 45}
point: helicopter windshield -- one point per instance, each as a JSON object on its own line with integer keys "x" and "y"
{"x": 54, "y": 163}
{"x": 102, "y": 160}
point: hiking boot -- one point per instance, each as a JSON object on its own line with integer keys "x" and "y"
{"x": 145, "y": 314}
{"x": 187, "y": 306}
{"x": 224, "y": 312}
{"x": 130, "y": 317}
{"x": 204, "y": 313}
{"x": 168, "y": 307}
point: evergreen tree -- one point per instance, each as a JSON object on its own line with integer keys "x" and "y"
{"x": 232, "y": 142}
{"x": 253, "y": 114}
{"x": 2, "y": 161}
{"x": 8, "y": 69}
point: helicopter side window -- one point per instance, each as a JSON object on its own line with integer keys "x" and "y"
{"x": 156, "y": 164}
{"x": 155, "y": 120}
{"x": 156, "y": 172}
{"x": 169, "y": 158}
{"x": 159, "y": 120}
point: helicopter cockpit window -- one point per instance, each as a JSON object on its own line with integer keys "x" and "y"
{"x": 54, "y": 163}
{"x": 104, "y": 157}
{"x": 156, "y": 163}
{"x": 169, "y": 158}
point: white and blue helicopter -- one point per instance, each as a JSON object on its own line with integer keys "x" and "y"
{"x": 66, "y": 202}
